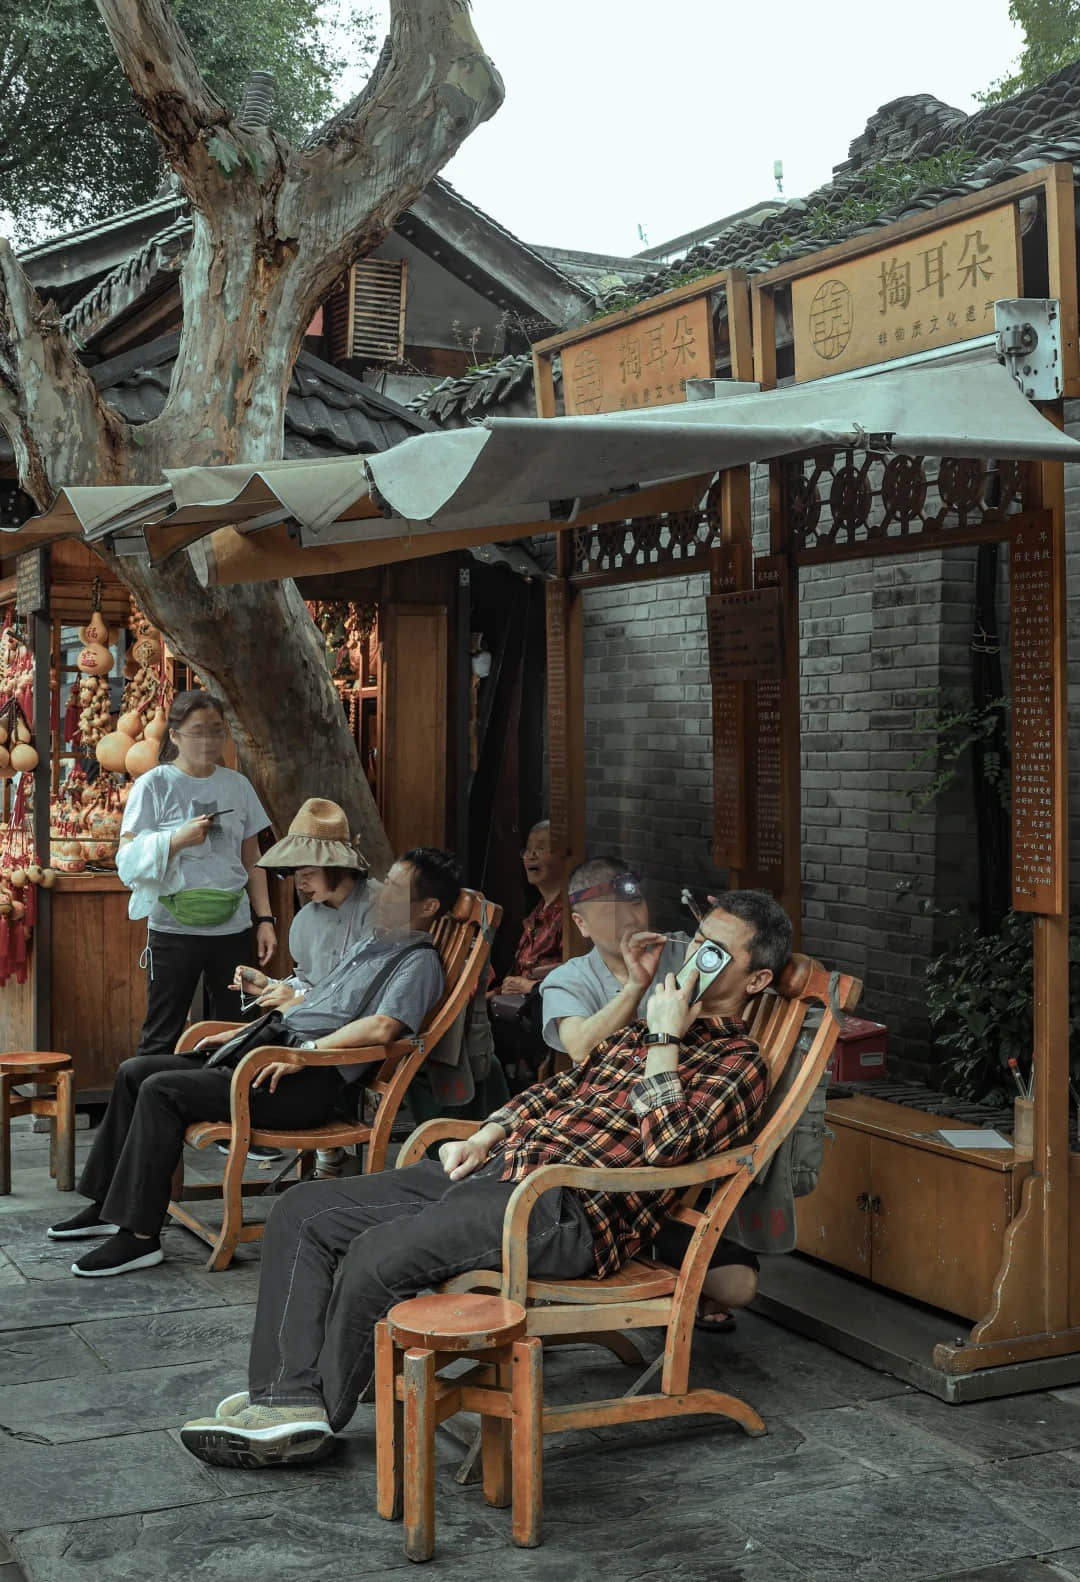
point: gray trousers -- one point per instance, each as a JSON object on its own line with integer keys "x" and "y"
{"x": 338, "y": 1255}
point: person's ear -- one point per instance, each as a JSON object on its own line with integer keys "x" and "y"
{"x": 580, "y": 924}
{"x": 429, "y": 909}
{"x": 758, "y": 981}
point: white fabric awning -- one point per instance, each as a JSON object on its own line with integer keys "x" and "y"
{"x": 512, "y": 471}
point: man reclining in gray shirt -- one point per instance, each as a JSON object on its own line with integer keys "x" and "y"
{"x": 156, "y": 1097}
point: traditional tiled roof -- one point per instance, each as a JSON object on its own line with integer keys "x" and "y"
{"x": 506, "y": 385}
{"x": 130, "y": 282}
{"x": 327, "y": 413}
{"x": 1033, "y": 128}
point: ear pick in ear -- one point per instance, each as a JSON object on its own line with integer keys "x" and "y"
{"x": 691, "y": 905}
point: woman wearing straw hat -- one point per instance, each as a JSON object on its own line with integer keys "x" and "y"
{"x": 331, "y": 876}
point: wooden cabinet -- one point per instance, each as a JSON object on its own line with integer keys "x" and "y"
{"x": 909, "y": 1213}
{"x": 98, "y": 989}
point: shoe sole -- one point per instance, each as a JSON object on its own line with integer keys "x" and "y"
{"x": 147, "y": 1261}
{"x": 81, "y": 1235}
{"x": 228, "y": 1447}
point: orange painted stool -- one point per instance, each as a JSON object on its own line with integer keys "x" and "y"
{"x": 506, "y": 1387}
{"x": 41, "y": 1067}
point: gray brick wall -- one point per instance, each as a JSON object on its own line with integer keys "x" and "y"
{"x": 874, "y": 637}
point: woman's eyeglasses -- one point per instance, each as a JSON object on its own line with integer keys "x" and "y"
{"x": 202, "y": 736}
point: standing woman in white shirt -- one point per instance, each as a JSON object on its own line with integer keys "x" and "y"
{"x": 201, "y": 928}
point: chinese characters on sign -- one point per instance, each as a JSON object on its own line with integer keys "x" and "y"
{"x": 923, "y": 292}
{"x": 1036, "y": 862}
{"x": 640, "y": 364}
{"x": 558, "y": 716}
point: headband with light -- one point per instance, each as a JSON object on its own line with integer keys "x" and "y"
{"x": 621, "y": 887}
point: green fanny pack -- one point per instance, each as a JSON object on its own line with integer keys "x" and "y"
{"x": 202, "y": 908}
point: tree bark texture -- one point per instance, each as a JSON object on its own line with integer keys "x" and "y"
{"x": 273, "y": 228}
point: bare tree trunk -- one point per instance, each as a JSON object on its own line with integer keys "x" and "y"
{"x": 273, "y": 228}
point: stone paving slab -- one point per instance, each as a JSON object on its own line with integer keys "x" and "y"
{"x": 29, "y": 1354}
{"x": 190, "y": 1335}
{"x": 134, "y": 1472}
{"x": 104, "y": 1404}
{"x": 899, "y": 1529}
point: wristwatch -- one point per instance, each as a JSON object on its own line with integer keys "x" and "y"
{"x": 309, "y": 1043}
{"x": 266, "y": 918}
{"x": 662, "y": 1038}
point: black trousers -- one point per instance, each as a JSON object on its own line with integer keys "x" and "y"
{"x": 175, "y": 965}
{"x": 338, "y": 1255}
{"x": 155, "y": 1098}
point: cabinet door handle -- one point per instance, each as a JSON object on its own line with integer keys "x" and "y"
{"x": 863, "y": 1202}
{"x": 875, "y": 1204}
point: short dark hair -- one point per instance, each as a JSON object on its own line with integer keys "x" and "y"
{"x": 772, "y": 940}
{"x": 595, "y": 870}
{"x": 437, "y": 876}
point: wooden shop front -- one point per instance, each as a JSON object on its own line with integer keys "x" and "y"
{"x": 981, "y": 1235}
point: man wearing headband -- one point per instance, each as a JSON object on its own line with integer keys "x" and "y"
{"x": 591, "y": 997}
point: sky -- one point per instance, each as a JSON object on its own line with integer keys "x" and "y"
{"x": 670, "y": 115}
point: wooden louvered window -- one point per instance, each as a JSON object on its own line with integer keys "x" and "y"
{"x": 366, "y": 312}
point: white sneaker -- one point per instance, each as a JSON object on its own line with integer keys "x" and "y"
{"x": 260, "y": 1436}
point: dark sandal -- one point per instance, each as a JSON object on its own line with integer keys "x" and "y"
{"x": 714, "y": 1323}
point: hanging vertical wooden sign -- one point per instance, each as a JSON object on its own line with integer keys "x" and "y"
{"x": 765, "y": 757}
{"x": 558, "y": 714}
{"x": 1034, "y": 588}
{"x": 728, "y": 571}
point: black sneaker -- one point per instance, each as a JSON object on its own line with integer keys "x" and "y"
{"x": 121, "y": 1254}
{"x": 254, "y": 1152}
{"x": 87, "y": 1222}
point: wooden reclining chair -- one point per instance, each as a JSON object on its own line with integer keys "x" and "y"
{"x": 644, "y": 1294}
{"x": 463, "y": 939}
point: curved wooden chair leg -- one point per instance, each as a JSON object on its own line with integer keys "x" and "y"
{"x": 232, "y": 1201}
{"x": 611, "y": 1340}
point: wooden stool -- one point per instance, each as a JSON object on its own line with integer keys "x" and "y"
{"x": 506, "y": 1387}
{"x": 40, "y": 1067}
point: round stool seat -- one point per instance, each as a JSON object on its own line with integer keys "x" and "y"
{"x": 33, "y": 1060}
{"x": 456, "y": 1321}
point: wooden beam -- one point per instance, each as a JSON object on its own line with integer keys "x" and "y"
{"x": 1061, "y": 258}
{"x": 720, "y": 281}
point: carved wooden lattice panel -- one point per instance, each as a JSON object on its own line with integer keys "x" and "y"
{"x": 847, "y": 503}
{"x": 644, "y": 546}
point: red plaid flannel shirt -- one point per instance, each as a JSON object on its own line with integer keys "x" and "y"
{"x": 607, "y": 1112}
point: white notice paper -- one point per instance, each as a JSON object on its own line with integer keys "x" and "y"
{"x": 976, "y": 1137}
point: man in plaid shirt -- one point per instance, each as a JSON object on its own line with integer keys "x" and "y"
{"x": 683, "y": 1084}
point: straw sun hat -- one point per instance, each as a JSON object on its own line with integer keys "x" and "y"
{"x": 318, "y": 838}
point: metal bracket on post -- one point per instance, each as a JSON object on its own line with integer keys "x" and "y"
{"x": 1029, "y": 344}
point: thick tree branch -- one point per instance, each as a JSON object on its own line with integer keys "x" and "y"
{"x": 59, "y": 427}
{"x": 169, "y": 88}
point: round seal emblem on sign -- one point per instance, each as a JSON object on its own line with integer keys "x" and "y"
{"x": 831, "y": 319}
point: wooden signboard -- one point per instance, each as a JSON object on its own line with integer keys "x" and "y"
{"x": 921, "y": 292}
{"x": 745, "y": 641}
{"x": 558, "y": 712}
{"x": 1037, "y": 876}
{"x": 765, "y": 753}
{"x": 728, "y": 573}
{"x": 640, "y": 364}
{"x": 32, "y": 582}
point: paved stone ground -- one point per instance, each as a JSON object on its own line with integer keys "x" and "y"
{"x": 860, "y": 1478}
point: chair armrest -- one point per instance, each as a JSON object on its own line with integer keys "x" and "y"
{"x": 273, "y": 1054}
{"x": 642, "y": 1178}
{"x": 440, "y": 1130}
{"x": 191, "y": 1035}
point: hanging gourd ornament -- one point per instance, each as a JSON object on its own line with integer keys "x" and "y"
{"x": 158, "y": 727}
{"x": 95, "y": 660}
{"x": 95, "y": 630}
{"x": 23, "y": 758}
{"x": 130, "y": 724}
{"x": 142, "y": 757}
{"x": 112, "y": 750}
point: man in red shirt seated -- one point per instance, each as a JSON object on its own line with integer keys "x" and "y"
{"x": 539, "y": 950}
{"x": 684, "y": 1084}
